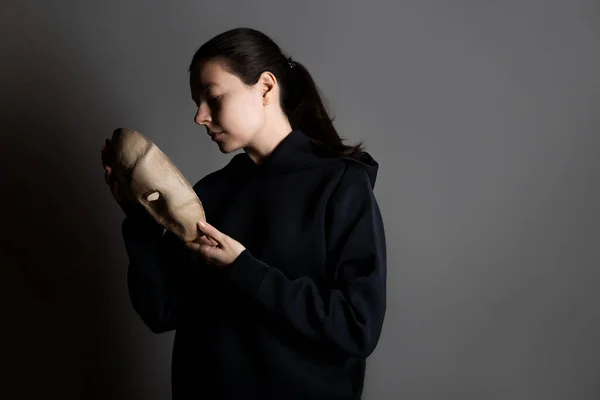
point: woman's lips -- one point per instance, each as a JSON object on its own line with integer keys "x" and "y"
{"x": 215, "y": 136}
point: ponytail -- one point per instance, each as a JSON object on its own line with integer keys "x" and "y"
{"x": 302, "y": 102}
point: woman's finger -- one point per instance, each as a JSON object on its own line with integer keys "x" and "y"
{"x": 108, "y": 175}
{"x": 211, "y": 232}
{"x": 206, "y": 252}
{"x": 193, "y": 246}
{"x": 212, "y": 241}
{"x": 207, "y": 241}
{"x": 201, "y": 245}
{"x": 204, "y": 240}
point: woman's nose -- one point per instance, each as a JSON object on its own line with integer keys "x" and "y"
{"x": 202, "y": 116}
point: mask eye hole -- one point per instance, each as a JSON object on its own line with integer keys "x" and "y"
{"x": 153, "y": 196}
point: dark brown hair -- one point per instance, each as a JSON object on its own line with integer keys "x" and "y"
{"x": 247, "y": 53}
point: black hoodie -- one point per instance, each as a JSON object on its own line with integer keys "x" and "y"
{"x": 298, "y": 312}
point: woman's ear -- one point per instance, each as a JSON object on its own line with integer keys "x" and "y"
{"x": 267, "y": 84}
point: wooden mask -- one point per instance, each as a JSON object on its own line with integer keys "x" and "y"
{"x": 147, "y": 176}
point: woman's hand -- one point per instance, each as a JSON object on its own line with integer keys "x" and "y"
{"x": 216, "y": 247}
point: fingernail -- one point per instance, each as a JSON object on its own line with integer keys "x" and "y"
{"x": 202, "y": 224}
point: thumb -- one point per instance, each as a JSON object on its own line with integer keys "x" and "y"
{"x": 211, "y": 232}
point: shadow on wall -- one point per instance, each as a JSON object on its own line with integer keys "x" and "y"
{"x": 58, "y": 318}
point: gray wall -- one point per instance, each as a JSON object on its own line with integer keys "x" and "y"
{"x": 484, "y": 117}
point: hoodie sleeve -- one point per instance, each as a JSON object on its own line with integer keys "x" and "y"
{"x": 154, "y": 257}
{"x": 349, "y": 315}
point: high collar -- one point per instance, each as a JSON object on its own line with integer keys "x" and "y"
{"x": 296, "y": 152}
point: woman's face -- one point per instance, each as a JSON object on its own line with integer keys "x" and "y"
{"x": 232, "y": 112}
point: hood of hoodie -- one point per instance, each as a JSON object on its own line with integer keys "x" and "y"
{"x": 296, "y": 152}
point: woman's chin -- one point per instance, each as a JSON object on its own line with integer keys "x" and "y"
{"x": 225, "y": 149}
{"x": 227, "y": 145}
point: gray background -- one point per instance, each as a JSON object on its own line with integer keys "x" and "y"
{"x": 484, "y": 117}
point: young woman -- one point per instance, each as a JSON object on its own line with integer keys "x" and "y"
{"x": 286, "y": 296}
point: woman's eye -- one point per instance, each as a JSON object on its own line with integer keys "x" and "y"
{"x": 214, "y": 102}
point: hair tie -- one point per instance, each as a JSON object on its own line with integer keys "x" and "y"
{"x": 291, "y": 62}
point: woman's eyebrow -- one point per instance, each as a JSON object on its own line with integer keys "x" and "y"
{"x": 201, "y": 89}
{"x": 208, "y": 85}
